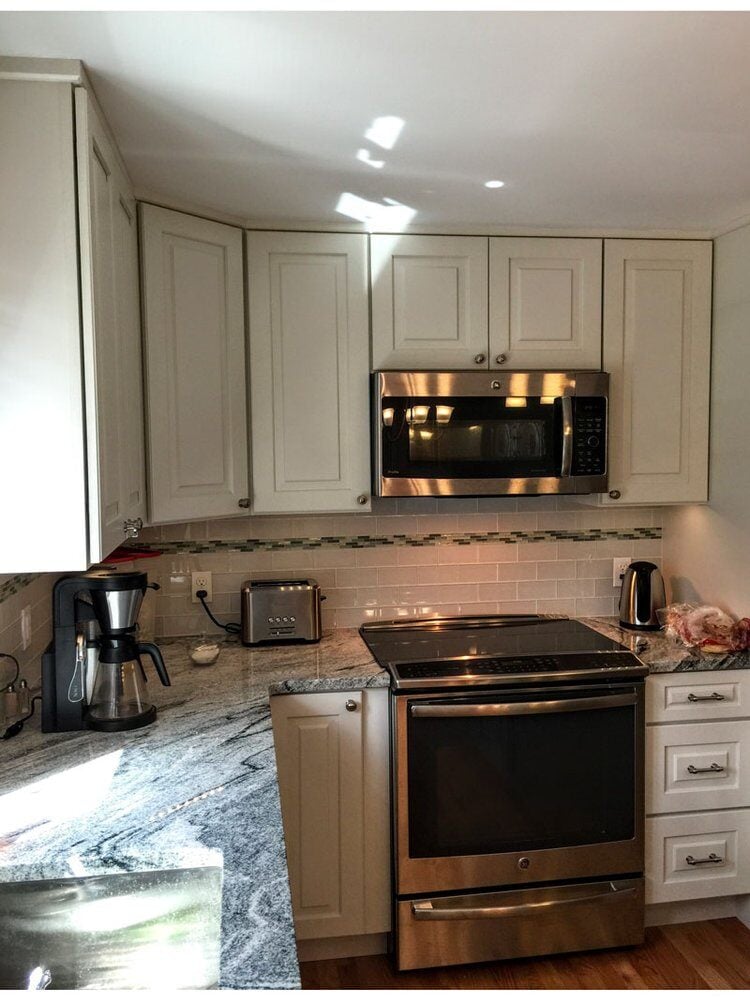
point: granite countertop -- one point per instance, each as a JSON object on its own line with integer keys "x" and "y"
{"x": 199, "y": 787}
{"x": 664, "y": 655}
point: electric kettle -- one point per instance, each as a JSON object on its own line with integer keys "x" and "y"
{"x": 641, "y": 595}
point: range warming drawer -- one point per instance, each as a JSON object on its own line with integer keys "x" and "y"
{"x": 484, "y": 926}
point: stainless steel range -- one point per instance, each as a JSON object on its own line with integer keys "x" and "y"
{"x": 518, "y": 748}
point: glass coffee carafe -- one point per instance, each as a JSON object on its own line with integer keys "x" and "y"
{"x": 117, "y": 700}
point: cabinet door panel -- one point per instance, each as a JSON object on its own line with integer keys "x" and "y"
{"x": 309, "y": 372}
{"x": 111, "y": 334}
{"x": 657, "y": 348}
{"x": 429, "y": 301}
{"x": 195, "y": 354}
{"x": 545, "y": 303}
{"x": 319, "y": 756}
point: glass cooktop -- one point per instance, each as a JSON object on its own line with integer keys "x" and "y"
{"x": 482, "y": 650}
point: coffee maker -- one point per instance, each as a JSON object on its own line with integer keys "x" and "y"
{"x": 92, "y": 673}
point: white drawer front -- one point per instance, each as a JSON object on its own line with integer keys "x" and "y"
{"x": 695, "y": 695}
{"x": 705, "y": 765}
{"x": 697, "y": 855}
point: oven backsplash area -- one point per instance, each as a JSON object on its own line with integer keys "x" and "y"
{"x": 408, "y": 557}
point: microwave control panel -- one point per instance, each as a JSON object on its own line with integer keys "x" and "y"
{"x": 590, "y": 436}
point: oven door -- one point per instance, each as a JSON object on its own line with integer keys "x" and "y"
{"x": 518, "y": 786}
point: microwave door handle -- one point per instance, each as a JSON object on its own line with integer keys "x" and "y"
{"x": 567, "y": 441}
{"x": 483, "y": 709}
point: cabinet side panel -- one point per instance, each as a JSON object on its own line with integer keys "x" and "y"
{"x": 43, "y": 500}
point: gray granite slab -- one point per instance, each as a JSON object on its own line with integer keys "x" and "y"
{"x": 664, "y": 655}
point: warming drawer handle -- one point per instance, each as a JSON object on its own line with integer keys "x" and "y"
{"x": 447, "y": 711}
{"x": 426, "y": 911}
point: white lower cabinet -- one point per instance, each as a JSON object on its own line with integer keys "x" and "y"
{"x": 697, "y": 786}
{"x": 332, "y": 752}
{"x": 309, "y": 372}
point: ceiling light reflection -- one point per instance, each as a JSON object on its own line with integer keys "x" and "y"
{"x": 376, "y": 215}
{"x": 364, "y": 156}
{"x": 384, "y": 131}
{"x": 516, "y": 401}
{"x": 443, "y": 413}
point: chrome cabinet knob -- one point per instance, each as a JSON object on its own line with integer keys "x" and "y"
{"x": 362, "y": 499}
{"x": 479, "y": 359}
{"x": 501, "y": 359}
{"x": 132, "y": 527}
{"x": 351, "y": 705}
{"x": 244, "y": 502}
{"x": 614, "y": 494}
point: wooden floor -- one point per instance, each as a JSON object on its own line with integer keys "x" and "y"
{"x": 710, "y": 954}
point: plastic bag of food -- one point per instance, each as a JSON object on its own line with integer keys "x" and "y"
{"x": 707, "y": 628}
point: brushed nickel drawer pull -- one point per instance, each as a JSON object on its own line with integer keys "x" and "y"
{"x": 713, "y": 768}
{"x": 712, "y": 859}
{"x": 714, "y": 696}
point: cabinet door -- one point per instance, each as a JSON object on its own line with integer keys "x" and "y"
{"x": 657, "y": 349}
{"x": 333, "y": 775}
{"x": 309, "y": 372}
{"x": 195, "y": 366}
{"x": 111, "y": 334}
{"x": 545, "y": 303}
{"x": 429, "y": 302}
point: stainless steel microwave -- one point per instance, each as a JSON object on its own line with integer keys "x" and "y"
{"x": 489, "y": 433}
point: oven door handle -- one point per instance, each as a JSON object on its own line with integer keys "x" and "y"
{"x": 567, "y": 441}
{"x": 426, "y": 910}
{"x": 448, "y": 711}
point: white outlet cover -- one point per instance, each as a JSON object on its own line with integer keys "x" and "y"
{"x": 619, "y": 565}
{"x": 202, "y": 580}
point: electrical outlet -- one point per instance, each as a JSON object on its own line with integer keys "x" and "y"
{"x": 202, "y": 581}
{"x": 26, "y": 627}
{"x": 619, "y": 565}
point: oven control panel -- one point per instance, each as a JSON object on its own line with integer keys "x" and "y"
{"x": 488, "y": 670}
{"x": 590, "y": 436}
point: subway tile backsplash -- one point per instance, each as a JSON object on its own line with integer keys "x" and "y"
{"x": 409, "y": 557}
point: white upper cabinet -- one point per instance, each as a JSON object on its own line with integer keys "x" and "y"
{"x": 657, "y": 348}
{"x": 70, "y": 361}
{"x": 309, "y": 371}
{"x": 429, "y": 302}
{"x": 545, "y": 303}
{"x": 195, "y": 366}
{"x": 111, "y": 335}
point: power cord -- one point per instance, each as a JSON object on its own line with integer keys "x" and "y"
{"x": 17, "y": 726}
{"x": 9, "y": 656}
{"x": 233, "y": 628}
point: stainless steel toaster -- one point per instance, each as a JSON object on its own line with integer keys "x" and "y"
{"x": 280, "y": 611}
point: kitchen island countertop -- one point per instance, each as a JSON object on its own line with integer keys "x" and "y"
{"x": 200, "y": 786}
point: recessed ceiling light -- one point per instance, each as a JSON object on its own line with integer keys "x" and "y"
{"x": 494, "y": 184}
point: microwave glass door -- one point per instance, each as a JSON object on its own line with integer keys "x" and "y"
{"x": 493, "y": 781}
{"x": 471, "y": 437}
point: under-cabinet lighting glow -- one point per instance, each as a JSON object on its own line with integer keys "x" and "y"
{"x": 384, "y": 131}
{"x": 515, "y": 401}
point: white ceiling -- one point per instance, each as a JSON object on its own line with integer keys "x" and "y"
{"x": 623, "y": 120}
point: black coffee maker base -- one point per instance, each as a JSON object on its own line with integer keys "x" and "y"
{"x": 119, "y": 725}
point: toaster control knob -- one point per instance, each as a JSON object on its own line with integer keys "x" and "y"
{"x": 285, "y": 619}
{"x": 292, "y": 619}
{"x": 270, "y": 620}
{"x": 351, "y": 705}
